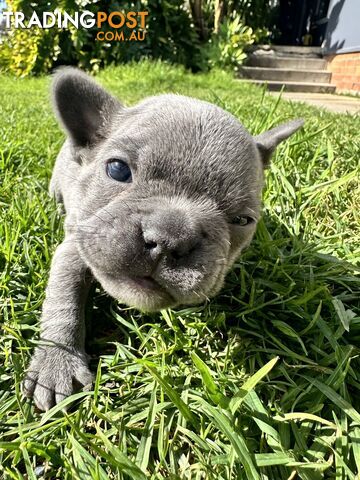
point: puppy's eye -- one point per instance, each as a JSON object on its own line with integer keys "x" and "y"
{"x": 119, "y": 170}
{"x": 242, "y": 220}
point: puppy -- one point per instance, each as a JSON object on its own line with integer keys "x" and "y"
{"x": 160, "y": 199}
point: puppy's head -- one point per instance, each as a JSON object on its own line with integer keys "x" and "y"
{"x": 168, "y": 191}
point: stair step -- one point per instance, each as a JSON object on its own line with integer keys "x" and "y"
{"x": 269, "y": 60}
{"x": 285, "y": 74}
{"x": 292, "y": 50}
{"x": 294, "y": 86}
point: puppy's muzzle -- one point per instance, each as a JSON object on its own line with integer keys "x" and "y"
{"x": 172, "y": 234}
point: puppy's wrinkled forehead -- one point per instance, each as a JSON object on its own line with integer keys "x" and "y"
{"x": 193, "y": 145}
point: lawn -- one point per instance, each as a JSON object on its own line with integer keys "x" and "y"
{"x": 263, "y": 382}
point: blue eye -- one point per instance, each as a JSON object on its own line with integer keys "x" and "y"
{"x": 119, "y": 171}
{"x": 242, "y": 220}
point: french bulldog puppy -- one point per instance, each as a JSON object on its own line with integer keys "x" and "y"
{"x": 160, "y": 199}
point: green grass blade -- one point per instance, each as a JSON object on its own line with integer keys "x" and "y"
{"x": 250, "y": 384}
{"x": 339, "y": 401}
{"x": 235, "y": 438}
{"x": 303, "y": 417}
{"x": 143, "y": 453}
{"x": 172, "y": 394}
{"x": 124, "y": 463}
{"x": 85, "y": 464}
{"x": 213, "y": 390}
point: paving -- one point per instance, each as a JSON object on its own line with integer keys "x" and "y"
{"x": 334, "y": 103}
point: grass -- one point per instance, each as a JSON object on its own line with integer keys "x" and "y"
{"x": 263, "y": 382}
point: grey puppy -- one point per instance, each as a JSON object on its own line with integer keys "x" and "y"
{"x": 160, "y": 199}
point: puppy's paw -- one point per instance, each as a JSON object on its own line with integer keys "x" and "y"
{"x": 55, "y": 373}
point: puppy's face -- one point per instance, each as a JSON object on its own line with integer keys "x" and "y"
{"x": 168, "y": 191}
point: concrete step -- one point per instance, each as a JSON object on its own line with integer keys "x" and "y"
{"x": 285, "y": 74}
{"x": 287, "y": 50}
{"x": 293, "y": 63}
{"x": 294, "y": 86}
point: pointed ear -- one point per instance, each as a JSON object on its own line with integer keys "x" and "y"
{"x": 267, "y": 142}
{"x": 82, "y": 106}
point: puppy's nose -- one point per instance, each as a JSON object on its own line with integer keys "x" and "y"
{"x": 170, "y": 233}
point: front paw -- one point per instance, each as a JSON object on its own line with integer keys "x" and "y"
{"x": 54, "y": 373}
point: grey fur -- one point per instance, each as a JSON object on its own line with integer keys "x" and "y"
{"x": 195, "y": 168}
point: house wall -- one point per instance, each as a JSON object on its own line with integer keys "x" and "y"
{"x": 342, "y": 44}
{"x": 345, "y": 68}
{"x": 343, "y": 31}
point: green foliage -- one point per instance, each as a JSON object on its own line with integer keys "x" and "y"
{"x": 260, "y": 15}
{"x": 25, "y": 52}
{"x": 227, "y": 48}
{"x": 29, "y": 51}
{"x": 170, "y": 36}
{"x": 263, "y": 381}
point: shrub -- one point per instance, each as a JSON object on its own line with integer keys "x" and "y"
{"x": 197, "y": 34}
{"x": 170, "y": 36}
{"x": 227, "y": 48}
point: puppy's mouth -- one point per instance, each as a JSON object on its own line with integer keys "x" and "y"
{"x": 145, "y": 283}
{"x": 147, "y": 293}
{"x": 149, "y": 287}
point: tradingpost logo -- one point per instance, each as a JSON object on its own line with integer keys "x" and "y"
{"x": 114, "y": 26}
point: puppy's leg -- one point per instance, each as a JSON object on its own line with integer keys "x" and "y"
{"x": 59, "y": 364}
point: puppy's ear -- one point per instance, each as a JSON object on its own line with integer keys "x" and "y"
{"x": 268, "y": 141}
{"x": 83, "y": 107}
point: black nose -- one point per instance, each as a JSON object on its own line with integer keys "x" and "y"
{"x": 170, "y": 233}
